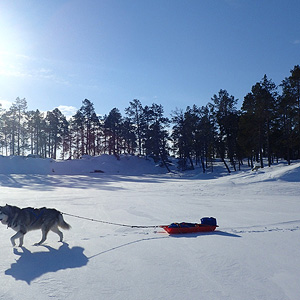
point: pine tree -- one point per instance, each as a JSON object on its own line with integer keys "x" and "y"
{"x": 184, "y": 134}
{"x": 113, "y": 128}
{"x": 135, "y": 113}
{"x": 156, "y": 134}
{"x": 37, "y": 133}
{"x": 129, "y": 137}
{"x": 225, "y": 112}
{"x": 90, "y": 122}
{"x": 289, "y": 105}
{"x": 56, "y": 123}
{"x": 259, "y": 109}
{"x": 6, "y": 133}
{"x": 77, "y": 135}
{"x": 205, "y": 137}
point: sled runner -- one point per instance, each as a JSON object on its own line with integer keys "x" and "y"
{"x": 207, "y": 225}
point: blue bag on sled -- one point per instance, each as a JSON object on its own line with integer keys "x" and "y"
{"x": 209, "y": 221}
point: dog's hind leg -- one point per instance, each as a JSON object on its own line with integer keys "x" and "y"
{"x": 44, "y": 236}
{"x": 18, "y": 235}
{"x": 57, "y": 231}
{"x": 21, "y": 241}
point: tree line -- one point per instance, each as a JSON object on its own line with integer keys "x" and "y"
{"x": 267, "y": 126}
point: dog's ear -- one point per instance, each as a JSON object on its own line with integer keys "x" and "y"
{"x": 6, "y": 209}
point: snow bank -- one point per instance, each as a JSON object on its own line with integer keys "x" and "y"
{"x": 24, "y": 165}
{"x": 108, "y": 164}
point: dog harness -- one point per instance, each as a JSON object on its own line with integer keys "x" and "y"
{"x": 37, "y": 216}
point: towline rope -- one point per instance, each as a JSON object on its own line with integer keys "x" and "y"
{"x": 111, "y": 223}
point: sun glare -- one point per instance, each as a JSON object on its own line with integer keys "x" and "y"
{"x": 10, "y": 41}
{"x": 11, "y": 47}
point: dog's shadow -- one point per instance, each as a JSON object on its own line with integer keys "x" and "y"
{"x": 32, "y": 265}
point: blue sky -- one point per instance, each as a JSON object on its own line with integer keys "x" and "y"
{"x": 171, "y": 52}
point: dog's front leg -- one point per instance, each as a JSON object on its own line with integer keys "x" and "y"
{"x": 18, "y": 235}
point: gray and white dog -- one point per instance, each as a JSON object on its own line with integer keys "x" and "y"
{"x": 26, "y": 219}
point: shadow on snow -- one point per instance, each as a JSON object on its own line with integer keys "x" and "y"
{"x": 186, "y": 235}
{"x": 196, "y": 234}
{"x": 52, "y": 182}
{"x": 32, "y": 265}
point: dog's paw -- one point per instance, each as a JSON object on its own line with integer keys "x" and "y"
{"x": 39, "y": 243}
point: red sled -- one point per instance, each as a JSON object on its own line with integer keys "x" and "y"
{"x": 207, "y": 225}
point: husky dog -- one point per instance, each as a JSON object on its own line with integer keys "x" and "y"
{"x": 26, "y": 219}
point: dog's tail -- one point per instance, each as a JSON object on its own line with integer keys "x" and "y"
{"x": 62, "y": 223}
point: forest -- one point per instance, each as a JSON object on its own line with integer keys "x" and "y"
{"x": 266, "y": 128}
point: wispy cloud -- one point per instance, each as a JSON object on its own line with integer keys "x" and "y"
{"x": 48, "y": 74}
{"x": 12, "y": 65}
{"x": 42, "y": 73}
{"x": 19, "y": 65}
{"x": 296, "y": 42}
{"x": 68, "y": 111}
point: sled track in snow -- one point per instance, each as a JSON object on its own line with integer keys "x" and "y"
{"x": 276, "y": 227}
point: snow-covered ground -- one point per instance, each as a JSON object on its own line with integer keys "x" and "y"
{"x": 254, "y": 254}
